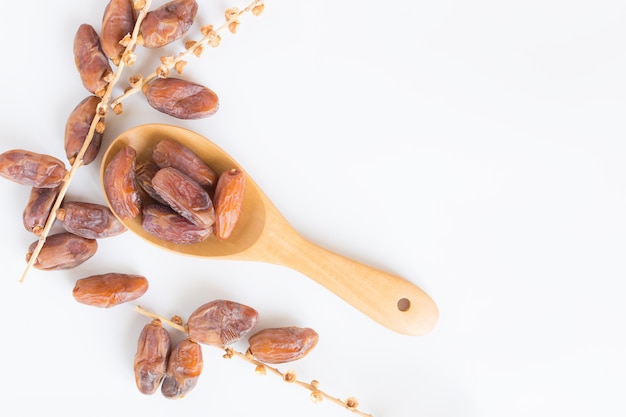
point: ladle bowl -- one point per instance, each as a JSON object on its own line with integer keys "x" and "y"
{"x": 262, "y": 234}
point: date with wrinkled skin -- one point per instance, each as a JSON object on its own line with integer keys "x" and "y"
{"x": 185, "y": 196}
{"x": 62, "y": 251}
{"x": 117, "y": 22}
{"x": 144, "y": 172}
{"x": 32, "y": 168}
{"x": 89, "y": 220}
{"x": 228, "y": 201}
{"x": 167, "y": 23}
{"x": 169, "y": 153}
{"x": 92, "y": 64}
{"x": 221, "y": 322}
{"x": 76, "y": 130}
{"x": 282, "y": 344}
{"x": 164, "y": 223}
{"x": 184, "y": 366}
{"x": 37, "y": 210}
{"x": 110, "y": 289}
{"x": 181, "y": 98}
{"x": 120, "y": 184}
{"x": 153, "y": 349}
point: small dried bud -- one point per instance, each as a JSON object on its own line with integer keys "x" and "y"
{"x": 232, "y": 27}
{"x": 139, "y": 4}
{"x": 315, "y": 384}
{"x": 190, "y": 44}
{"x": 102, "y": 109}
{"x": 258, "y": 9}
{"x": 167, "y": 60}
{"x": 126, "y": 40}
{"x": 177, "y": 319}
{"x": 352, "y": 403}
{"x": 229, "y": 353}
{"x": 260, "y": 370}
{"x": 135, "y": 80}
{"x": 108, "y": 76}
{"x": 232, "y": 13}
{"x": 100, "y": 126}
{"x": 179, "y": 66}
{"x": 316, "y": 397}
{"x": 290, "y": 377}
{"x": 198, "y": 51}
{"x": 118, "y": 108}
{"x": 215, "y": 40}
{"x": 129, "y": 58}
{"x": 101, "y": 92}
{"x": 205, "y": 30}
{"x": 163, "y": 71}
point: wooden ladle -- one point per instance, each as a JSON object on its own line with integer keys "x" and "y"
{"x": 263, "y": 234}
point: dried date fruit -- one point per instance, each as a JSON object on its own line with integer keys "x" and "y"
{"x": 181, "y": 98}
{"x": 92, "y": 65}
{"x": 166, "y": 224}
{"x": 89, "y": 220}
{"x": 169, "y": 153}
{"x": 31, "y": 168}
{"x": 167, "y": 23}
{"x": 221, "y": 322}
{"x": 184, "y": 366}
{"x": 120, "y": 184}
{"x": 37, "y": 210}
{"x": 185, "y": 196}
{"x": 282, "y": 344}
{"x": 228, "y": 201}
{"x": 117, "y": 22}
{"x": 62, "y": 251}
{"x": 110, "y": 289}
{"x": 77, "y": 128}
{"x": 144, "y": 172}
{"x": 153, "y": 350}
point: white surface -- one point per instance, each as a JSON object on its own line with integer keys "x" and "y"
{"x": 476, "y": 148}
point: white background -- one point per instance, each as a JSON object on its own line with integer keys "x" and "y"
{"x": 474, "y": 147}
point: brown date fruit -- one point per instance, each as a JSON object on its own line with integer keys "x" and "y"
{"x": 169, "y": 153}
{"x": 221, "y": 322}
{"x": 181, "y": 98}
{"x": 282, "y": 344}
{"x": 31, "y": 168}
{"x": 92, "y": 65}
{"x": 228, "y": 201}
{"x": 37, "y": 210}
{"x": 167, "y": 23}
{"x": 185, "y": 196}
{"x": 76, "y": 130}
{"x": 110, "y": 289}
{"x": 89, "y": 220}
{"x": 62, "y": 251}
{"x": 184, "y": 366}
{"x": 164, "y": 223}
{"x": 153, "y": 350}
{"x": 144, "y": 172}
{"x": 117, "y": 22}
{"x": 120, "y": 184}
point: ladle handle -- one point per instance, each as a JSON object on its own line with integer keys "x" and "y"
{"x": 390, "y": 300}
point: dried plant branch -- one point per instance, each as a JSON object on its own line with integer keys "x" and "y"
{"x": 97, "y": 124}
{"x": 211, "y": 38}
{"x": 317, "y": 394}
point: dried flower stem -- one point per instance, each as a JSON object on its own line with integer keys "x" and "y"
{"x": 317, "y": 395}
{"x": 208, "y": 39}
{"x": 78, "y": 162}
